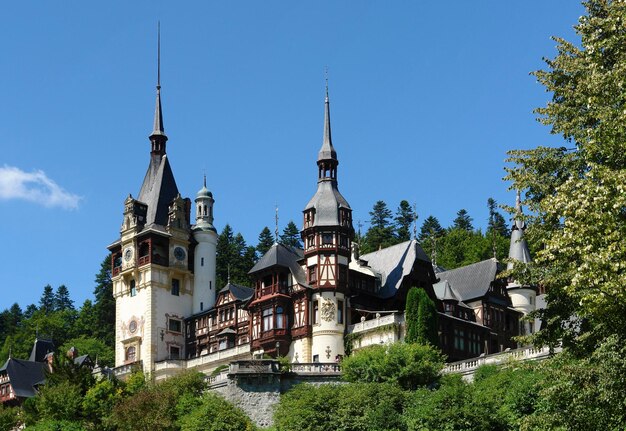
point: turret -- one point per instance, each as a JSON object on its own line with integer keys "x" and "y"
{"x": 523, "y": 297}
{"x": 204, "y": 257}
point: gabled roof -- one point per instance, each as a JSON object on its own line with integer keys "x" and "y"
{"x": 284, "y": 256}
{"x": 40, "y": 349}
{"x": 394, "y": 263}
{"x": 158, "y": 190}
{"x": 23, "y": 375}
{"x": 240, "y": 293}
{"x": 471, "y": 281}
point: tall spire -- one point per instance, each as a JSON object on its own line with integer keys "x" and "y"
{"x": 327, "y": 151}
{"x": 158, "y": 137}
{"x": 518, "y": 250}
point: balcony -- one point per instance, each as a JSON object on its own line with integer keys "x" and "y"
{"x": 124, "y": 370}
{"x": 368, "y": 325}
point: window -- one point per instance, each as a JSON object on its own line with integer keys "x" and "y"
{"x": 131, "y": 353}
{"x": 312, "y": 274}
{"x": 201, "y": 261}
{"x": 327, "y": 238}
{"x": 316, "y": 358}
{"x": 343, "y": 241}
{"x": 174, "y": 352}
{"x": 133, "y": 289}
{"x": 201, "y": 305}
{"x": 280, "y": 318}
{"x": 316, "y": 311}
{"x": 174, "y": 325}
{"x": 175, "y": 287}
{"x": 339, "y": 311}
{"x": 268, "y": 319}
{"x": 223, "y": 344}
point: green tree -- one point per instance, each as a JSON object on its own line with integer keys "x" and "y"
{"x": 380, "y": 233}
{"x": 405, "y": 217}
{"x": 576, "y": 194}
{"x": 430, "y": 233}
{"x": 62, "y": 299}
{"x": 9, "y": 417}
{"x": 98, "y": 403}
{"x": 214, "y": 413}
{"x": 266, "y": 240}
{"x": 582, "y": 393}
{"x": 291, "y": 235}
{"x": 59, "y": 402}
{"x": 104, "y": 305}
{"x": 407, "y": 365}
{"x": 462, "y": 247}
{"x": 421, "y": 318}
{"x": 47, "y": 302}
{"x": 463, "y": 221}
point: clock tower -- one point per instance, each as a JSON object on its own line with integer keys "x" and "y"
{"x": 152, "y": 264}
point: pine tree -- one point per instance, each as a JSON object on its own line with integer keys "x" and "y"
{"x": 104, "y": 305}
{"x": 421, "y": 318}
{"x": 266, "y": 240}
{"x": 62, "y": 299}
{"x": 380, "y": 233}
{"x": 463, "y": 221}
{"x": 405, "y": 216}
{"x": 46, "y": 302}
{"x": 291, "y": 235}
{"x": 225, "y": 256}
{"x": 430, "y": 234}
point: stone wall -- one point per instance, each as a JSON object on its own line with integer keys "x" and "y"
{"x": 256, "y": 386}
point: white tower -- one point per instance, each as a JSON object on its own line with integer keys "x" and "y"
{"x": 523, "y": 298}
{"x": 204, "y": 259}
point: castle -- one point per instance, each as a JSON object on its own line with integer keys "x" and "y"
{"x": 308, "y": 305}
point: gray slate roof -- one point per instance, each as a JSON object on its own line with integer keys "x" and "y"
{"x": 519, "y": 248}
{"x": 471, "y": 281}
{"x": 394, "y": 263}
{"x": 285, "y": 256}
{"x": 327, "y": 151}
{"x": 158, "y": 190}
{"x": 23, "y": 375}
{"x": 241, "y": 293}
{"x": 40, "y": 349}
{"x": 327, "y": 200}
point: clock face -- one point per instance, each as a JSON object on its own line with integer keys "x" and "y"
{"x": 128, "y": 254}
{"x": 179, "y": 253}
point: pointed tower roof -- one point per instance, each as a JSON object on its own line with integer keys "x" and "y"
{"x": 448, "y": 293}
{"x": 519, "y": 248}
{"x": 327, "y": 200}
{"x": 327, "y": 151}
{"x": 159, "y": 187}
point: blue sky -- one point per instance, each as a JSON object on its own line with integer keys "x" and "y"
{"x": 426, "y": 98}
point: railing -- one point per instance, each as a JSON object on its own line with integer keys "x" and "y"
{"x": 218, "y": 378}
{"x": 170, "y": 364}
{"x": 367, "y": 325}
{"x": 219, "y": 355}
{"x": 127, "y": 368}
{"x": 259, "y": 366}
{"x": 468, "y": 366}
{"x": 316, "y": 368}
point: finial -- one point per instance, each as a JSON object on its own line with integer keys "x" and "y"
{"x": 228, "y": 273}
{"x": 10, "y": 351}
{"x": 518, "y": 201}
{"x": 158, "y": 55}
{"x": 414, "y": 221}
{"x": 326, "y": 78}
{"x": 276, "y": 228}
{"x": 204, "y": 182}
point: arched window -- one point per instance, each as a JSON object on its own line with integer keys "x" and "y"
{"x": 205, "y": 210}
{"x": 131, "y": 353}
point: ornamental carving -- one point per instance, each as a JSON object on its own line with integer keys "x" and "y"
{"x": 328, "y": 310}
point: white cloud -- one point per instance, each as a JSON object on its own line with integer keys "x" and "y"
{"x": 34, "y": 187}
